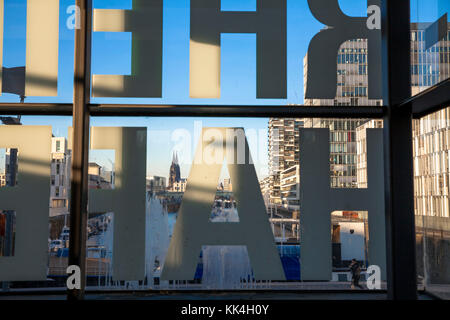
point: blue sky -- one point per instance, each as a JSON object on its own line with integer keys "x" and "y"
{"x": 112, "y": 55}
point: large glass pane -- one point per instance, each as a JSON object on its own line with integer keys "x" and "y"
{"x": 430, "y": 43}
{"x": 37, "y": 45}
{"x": 156, "y": 171}
{"x": 35, "y": 171}
{"x": 169, "y": 53}
{"x": 217, "y": 203}
{"x": 431, "y": 187}
{"x": 237, "y": 52}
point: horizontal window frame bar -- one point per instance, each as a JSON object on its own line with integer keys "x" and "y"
{"x": 62, "y": 291}
{"x": 429, "y": 101}
{"x": 36, "y": 109}
{"x": 247, "y": 111}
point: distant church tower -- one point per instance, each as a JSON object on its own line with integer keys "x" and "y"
{"x": 174, "y": 175}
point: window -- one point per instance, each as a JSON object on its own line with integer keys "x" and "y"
{"x": 151, "y": 108}
{"x": 58, "y": 203}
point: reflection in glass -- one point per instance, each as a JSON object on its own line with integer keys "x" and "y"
{"x": 431, "y": 145}
{"x": 430, "y": 43}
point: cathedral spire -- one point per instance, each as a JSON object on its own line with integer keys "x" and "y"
{"x": 174, "y": 174}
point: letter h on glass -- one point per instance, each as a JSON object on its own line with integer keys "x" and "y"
{"x": 318, "y": 200}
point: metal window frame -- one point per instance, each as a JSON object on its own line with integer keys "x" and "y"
{"x": 244, "y": 111}
{"x": 398, "y": 154}
{"x": 397, "y": 114}
{"x": 80, "y": 149}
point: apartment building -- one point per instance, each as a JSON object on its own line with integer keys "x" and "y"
{"x": 290, "y": 188}
{"x": 60, "y": 177}
{"x": 283, "y": 152}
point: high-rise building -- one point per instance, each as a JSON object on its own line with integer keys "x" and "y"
{"x": 428, "y": 66}
{"x": 342, "y": 149}
{"x": 352, "y": 79}
{"x": 431, "y": 150}
{"x": 347, "y": 136}
{"x": 352, "y": 90}
{"x": 361, "y": 149}
{"x": 431, "y": 134}
{"x": 290, "y": 188}
{"x": 283, "y": 152}
{"x": 284, "y": 133}
{"x": 264, "y": 185}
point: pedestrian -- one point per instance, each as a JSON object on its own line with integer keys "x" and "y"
{"x": 356, "y": 273}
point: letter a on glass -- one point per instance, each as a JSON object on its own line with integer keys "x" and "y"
{"x": 193, "y": 228}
